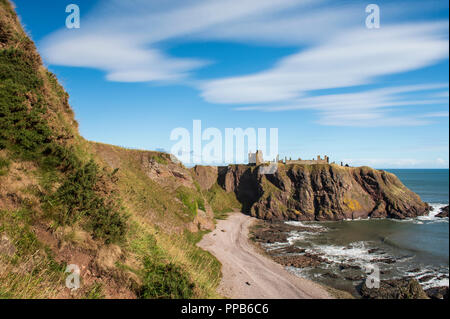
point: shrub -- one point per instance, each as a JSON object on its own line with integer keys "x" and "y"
{"x": 164, "y": 281}
{"x": 78, "y": 198}
{"x": 107, "y": 222}
{"x": 21, "y": 106}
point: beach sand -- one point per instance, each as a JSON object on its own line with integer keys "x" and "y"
{"x": 247, "y": 274}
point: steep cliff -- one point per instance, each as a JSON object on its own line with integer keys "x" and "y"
{"x": 320, "y": 192}
{"x": 128, "y": 219}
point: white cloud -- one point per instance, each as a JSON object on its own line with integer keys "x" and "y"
{"x": 353, "y": 58}
{"x": 365, "y": 108}
{"x": 124, "y": 39}
{"x": 123, "y": 60}
{"x": 436, "y": 114}
{"x": 121, "y": 37}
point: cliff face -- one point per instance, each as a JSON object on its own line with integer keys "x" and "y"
{"x": 321, "y": 192}
{"x": 128, "y": 219}
{"x": 157, "y": 188}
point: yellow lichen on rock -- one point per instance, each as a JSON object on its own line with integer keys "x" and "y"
{"x": 353, "y": 204}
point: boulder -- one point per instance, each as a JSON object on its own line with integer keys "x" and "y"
{"x": 443, "y": 213}
{"x": 406, "y": 288}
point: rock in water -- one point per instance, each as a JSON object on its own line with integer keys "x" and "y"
{"x": 443, "y": 213}
{"x": 321, "y": 192}
{"x": 407, "y": 288}
{"x": 437, "y": 292}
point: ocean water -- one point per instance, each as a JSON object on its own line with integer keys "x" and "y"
{"x": 415, "y": 247}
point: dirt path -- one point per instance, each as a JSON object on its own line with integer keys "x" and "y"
{"x": 246, "y": 273}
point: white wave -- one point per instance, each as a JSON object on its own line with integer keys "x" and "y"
{"x": 430, "y": 218}
{"x": 435, "y": 282}
{"x": 274, "y": 246}
{"x": 436, "y": 209}
{"x": 356, "y": 252}
{"x": 300, "y": 272}
{"x": 439, "y": 277}
{"x": 300, "y": 224}
{"x": 297, "y": 236}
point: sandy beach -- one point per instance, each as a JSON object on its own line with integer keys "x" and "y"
{"x": 247, "y": 274}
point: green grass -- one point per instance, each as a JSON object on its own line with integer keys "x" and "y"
{"x": 160, "y": 158}
{"x": 22, "y": 128}
{"x": 165, "y": 281}
{"x": 95, "y": 291}
{"x": 77, "y": 198}
{"x": 26, "y": 134}
{"x": 4, "y": 165}
{"x": 30, "y": 271}
{"x": 71, "y": 188}
{"x": 172, "y": 265}
{"x": 161, "y": 277}
{"x": 191, "y": 199}
{"x": 221, "y": 201}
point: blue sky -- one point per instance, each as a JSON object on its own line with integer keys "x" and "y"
{"x": 137, "y": 69}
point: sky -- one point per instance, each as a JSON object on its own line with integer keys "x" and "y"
{"x": 138, "y": 69}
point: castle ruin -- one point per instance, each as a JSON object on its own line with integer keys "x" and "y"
{"x": 257, "y": 159}
{"x": 319, "y": 160}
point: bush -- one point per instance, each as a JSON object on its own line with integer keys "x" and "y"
{"x": 107, "y": 222}
{"x": 77, "y": 194}
{"x": 21, "y": 106}
{"x": 164, "y": 281}
{"x": 78, "y": 197}
{"x": 24, "y": 131}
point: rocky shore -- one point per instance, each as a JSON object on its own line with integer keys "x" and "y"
{"x": 275, "y": 238}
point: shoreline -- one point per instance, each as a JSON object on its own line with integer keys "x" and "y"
{"x": 332, "y": 254}
{"x": 249, "y": 274}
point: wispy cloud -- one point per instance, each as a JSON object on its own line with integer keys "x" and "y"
{"x": 351, "y": 59}
{"x": 366, "y": 108}
{"x": 124, "y": 39}
{"x": 436, "y": 114}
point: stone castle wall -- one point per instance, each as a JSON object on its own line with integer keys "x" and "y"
{"x": 257, "y": 159}
{"x": 319, "y": 160}
{"x": 306, "y": 162}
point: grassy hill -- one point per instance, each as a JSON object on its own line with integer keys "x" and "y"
{"x": 129, "y": 219}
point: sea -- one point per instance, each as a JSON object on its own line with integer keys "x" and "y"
{"x": 386, "y": 248}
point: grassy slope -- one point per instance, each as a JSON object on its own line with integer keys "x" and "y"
{"x": 61, "y": 203}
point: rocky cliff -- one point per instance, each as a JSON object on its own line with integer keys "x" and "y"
{"x": 320, "y": 192}
{"x": 129, "y": 219}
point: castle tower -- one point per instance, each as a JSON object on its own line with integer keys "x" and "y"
{"x": 259, "y": 157}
